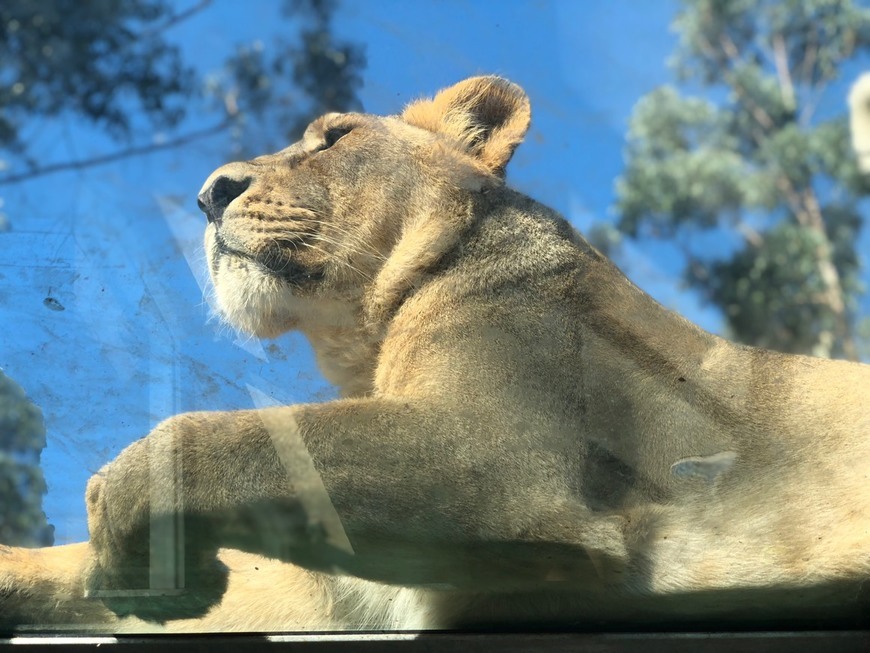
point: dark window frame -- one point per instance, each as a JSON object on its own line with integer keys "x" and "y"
{"x": 845, "y": 641}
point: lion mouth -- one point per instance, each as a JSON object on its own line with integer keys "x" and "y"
{"x": 274, "y": 259}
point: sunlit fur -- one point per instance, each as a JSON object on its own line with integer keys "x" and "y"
{"x": 859, "y": 120}
{"x": 523, "y": 438}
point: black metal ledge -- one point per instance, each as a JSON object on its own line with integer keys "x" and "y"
{"x": 853, "y": 641}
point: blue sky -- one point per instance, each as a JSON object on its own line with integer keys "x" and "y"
{"x": 118, "y": 246}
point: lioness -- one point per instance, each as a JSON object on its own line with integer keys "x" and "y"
{"x": 523, "y": 438}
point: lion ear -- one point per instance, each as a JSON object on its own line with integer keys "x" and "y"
{"x": 487, "y": 116}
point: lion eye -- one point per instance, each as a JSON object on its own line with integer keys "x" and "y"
{"x": 332, "y": 136}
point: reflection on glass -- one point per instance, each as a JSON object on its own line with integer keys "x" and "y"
{"x": 388, "y": 390}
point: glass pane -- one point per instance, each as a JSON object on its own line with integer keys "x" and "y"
{"x": 381, "y": 372}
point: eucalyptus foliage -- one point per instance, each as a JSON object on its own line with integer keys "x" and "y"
{"x": 111, "y": 63}
{"x": 22, "y": 438}
{"x": 288, "y": 83}
{"x": 738, "y": 149}
{"x": 104, "y": 60}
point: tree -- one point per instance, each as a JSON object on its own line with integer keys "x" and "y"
{"x": 292, "y": 83}
{"x": 106, "y": 62}
{"x": 110, "y": 64}
{"x": 750, "y": 160}
{"x": 22, "y": 438}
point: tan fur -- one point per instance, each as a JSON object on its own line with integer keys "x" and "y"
{"x": 859, "y": 120}
{"x": 485, "y": 119}
{"x": 524, "y": 437}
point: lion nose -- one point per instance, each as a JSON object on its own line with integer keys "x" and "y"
{"x": 214, "y": 199}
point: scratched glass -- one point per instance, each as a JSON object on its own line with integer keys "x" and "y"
{"x": 404, "y": 297}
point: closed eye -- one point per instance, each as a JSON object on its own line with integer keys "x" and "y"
{"x": 333, "y": 135}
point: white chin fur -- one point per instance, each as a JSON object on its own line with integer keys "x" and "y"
{"x": 248, "y": 299}
{"x": 264, "y": 306}
{"x": 254, "y": 302}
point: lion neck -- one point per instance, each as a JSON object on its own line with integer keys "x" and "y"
{"x": 346, "y": 356}
{"x": 346, "y": 336}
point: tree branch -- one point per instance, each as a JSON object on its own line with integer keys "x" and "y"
{"x": 750, "y": 234}
{"x": 793, "y": 199}
{"x": 175, "y": 19}
{"x": 761, "y": 116}
{"x": 831, "y": 278}
{"x": 811, "y": 53}
{"x": 805, "y": 207}
{"x": 780, "y": 60}
{"x": 732, "y": 54}
{"x": 707, "y": 49}
{"x": 808, "y": 213}
{"x": 115, "y": 156}
{"x": 729, "y": 48}
{"x": 812, "y": 103}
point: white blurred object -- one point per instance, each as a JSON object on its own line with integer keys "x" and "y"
{"x": 859, "y": 120}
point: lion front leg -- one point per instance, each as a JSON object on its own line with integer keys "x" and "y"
{"x": 159, "y": 512}
{"x": 46, "y": 586}
{"x": 439, "y": 495}
{"x": 381, "y": 489}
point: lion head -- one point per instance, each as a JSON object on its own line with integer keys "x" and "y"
{"x": 342, "y": 222}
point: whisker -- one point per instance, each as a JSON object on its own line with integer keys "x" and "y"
{"x": 356, "y": 234}
{"x": 355, "y": 237}
{"x": 344, "y": 263}
{"x": 412, "y": 283}
{"x": 344, "y": 246}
